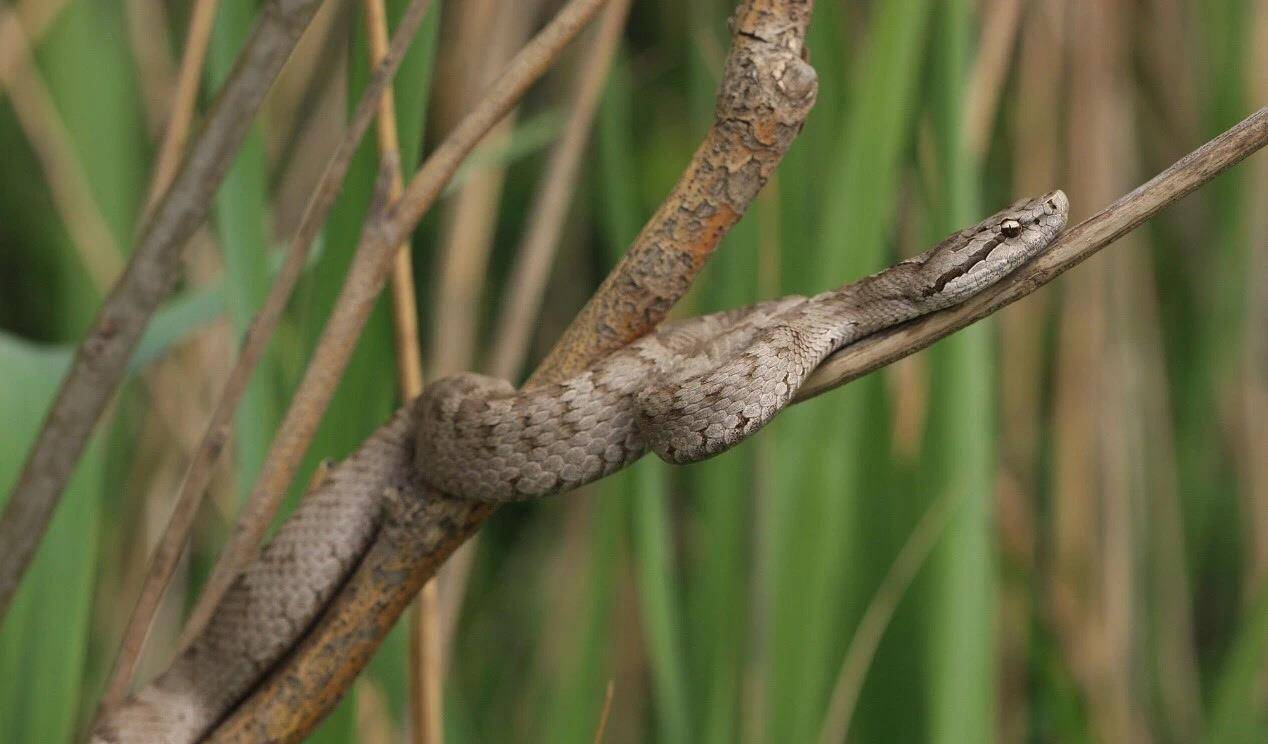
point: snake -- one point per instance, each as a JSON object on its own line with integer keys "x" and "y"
{"x": 688, "y": 391}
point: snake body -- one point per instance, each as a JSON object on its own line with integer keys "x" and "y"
{"x": 688, "y": 391}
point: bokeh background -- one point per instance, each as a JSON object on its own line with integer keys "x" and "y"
{"x": 1050, "y": 527}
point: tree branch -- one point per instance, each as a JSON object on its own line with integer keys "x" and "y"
{"x": 152, "y": 271}
{"x": 367, "y": 273}
{"x": 765, "y": 95}
{"x": 420, "y": 536}
{"x": 198, "y": 474}
{"x": 1076, "y": 244}
{"x": 422, "y": 665}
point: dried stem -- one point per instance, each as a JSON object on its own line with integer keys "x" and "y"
{"x": 366, "y": 276}
{"x": 764, "y": 98}
{"x": 557, "y": 183}
{"x": 871, "y": 628}
{"x": 1000, "y": 25}
{"x": 50, "y": 139}
{"x": 535, "y": 256}
{"x": 270, "y": 313}
{"x": 423, "y": 661}
{"x": 184, "y": 98}
{"x": 151, "y": 273}
{"x": 151, "y": 44}
{"x": 198, "y": 475}
{"x": 36, "y": 18}
{"x": 602, "y": 727}
{"x": 766, "y": 93}
{"x": 1075, "y": 245}
{"x": 470, "y": 220}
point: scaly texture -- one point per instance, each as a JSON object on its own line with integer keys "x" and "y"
{"x": 696, "y": 388}
{"x": 273, "y": 602}
{"x": 688, "y": 391}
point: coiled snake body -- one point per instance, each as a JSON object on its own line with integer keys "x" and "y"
{"x": 689, "y": 391}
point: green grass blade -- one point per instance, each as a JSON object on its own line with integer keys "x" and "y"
{"x": 959, "y": 443}
{"x": 241, "y": 221}
{"x": 832, "y": 458}
{"x": 658, "y": 599}
{"x": 1238, "y": 712}
{"x": 44, "y": 637}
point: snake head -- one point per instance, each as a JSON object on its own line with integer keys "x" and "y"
{"x": 969, "y": 260}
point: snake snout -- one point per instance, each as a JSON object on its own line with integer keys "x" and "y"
{"x": 1056, "y": 202}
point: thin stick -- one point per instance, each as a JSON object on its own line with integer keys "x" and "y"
{"x": 396, "y": 565}
{"x": 411, "y": 546}
{"x": 423, "y": 661}
{"x": 202, "y": 463}
{"x": 480, "y": 44}
{"x": 535, "y": 255}
{"x": 1074, "y": 246}
{"x": 176, "y": 134}
{"x": 602, "y": 727}
{"x": 366, "y": 275}
{"x": 153, "y": 269}
{"x": 557, "y": 183}
{"x": 862, "y": 649}
{"x": 35, "y": 22}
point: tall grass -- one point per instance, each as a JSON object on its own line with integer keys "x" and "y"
{"x": 1101, "y": 571}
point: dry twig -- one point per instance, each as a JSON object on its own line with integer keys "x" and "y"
{"x": 424, "y": 648}
{"x": 176, "y": 133}
{"x": 1075, "y": 245}
{"x": 151, "y": 273}
{"x": 535, "y": 255}
{"x": 557, "y": 183}
{"x": 201, "y": 466}
{"x": 367, "y": 273}
{"x": 764, "y": 98}
{"x": 266, "y": 320}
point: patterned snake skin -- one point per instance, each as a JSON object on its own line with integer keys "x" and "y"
{"x": 689, "y": 391}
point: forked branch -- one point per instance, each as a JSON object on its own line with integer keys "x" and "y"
{"x": 765, "y": 95}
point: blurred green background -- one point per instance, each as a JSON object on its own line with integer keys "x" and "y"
{"x": 1052, "y": 526}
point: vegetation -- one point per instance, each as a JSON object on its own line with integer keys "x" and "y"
{"x": 1052, "y": 526}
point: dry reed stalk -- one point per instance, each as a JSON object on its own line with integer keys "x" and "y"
{"x": 152, "y": 271}
{"x": 398, "y": 563}
{"x": 423, "y": 662}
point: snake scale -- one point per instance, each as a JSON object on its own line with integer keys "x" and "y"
{"x": 688, "y": 391}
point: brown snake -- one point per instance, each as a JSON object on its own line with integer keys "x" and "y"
{"x": 689, "y": 391}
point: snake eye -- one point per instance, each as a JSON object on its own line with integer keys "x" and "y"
{"x": 1010, "y": 228}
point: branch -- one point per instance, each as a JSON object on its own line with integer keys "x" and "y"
{"x": 184, "y": 99}
{"x": 766, "y": 93}
{"x": 366, "y": 276}
{"x": 424, "y": 701}
{"x": 1076, "y": 244}
{"x": 420, "y": 537}
{"x": 764, "y": 97}
{"x": 199, "y": 472}
{"x": 535, "y": 254}
{"x": 152, "y": 271}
